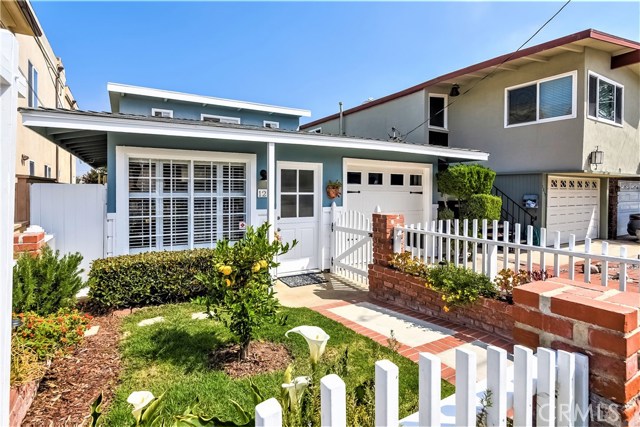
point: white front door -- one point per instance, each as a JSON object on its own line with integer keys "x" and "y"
{"x": 298, "y": 215}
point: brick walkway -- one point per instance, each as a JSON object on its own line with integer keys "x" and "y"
{"x": 440, "y": 347}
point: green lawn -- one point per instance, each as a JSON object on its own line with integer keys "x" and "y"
{"x": 171, "y": 357}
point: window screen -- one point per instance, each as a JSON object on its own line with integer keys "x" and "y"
{"x": 556, "y": 98}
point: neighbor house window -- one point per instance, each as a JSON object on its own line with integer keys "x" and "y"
{"x": 157, "y": 112}
{"x": 32, "y": 80}
{"x": 32, "y": 167}
{"x": 549, "y": 99}
{"x": 270, "y": 124}
{"x": 220, "y": 119}
{"x": 437, "y": 111}
{"x": 605, "y": 99}
{"x": 47, "y": 171}
{"x": 182, "y": 204}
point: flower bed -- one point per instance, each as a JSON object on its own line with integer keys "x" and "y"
{"x": 404, "y": 290}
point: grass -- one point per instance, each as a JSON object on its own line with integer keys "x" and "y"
{"x": 171, "y": 357}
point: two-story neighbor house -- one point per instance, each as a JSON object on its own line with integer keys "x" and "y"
{"x": 37, "y": 159}
{"x": 559, "y": 119}
{"x": 187, "y": 170}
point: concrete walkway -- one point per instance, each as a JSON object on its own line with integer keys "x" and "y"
{"x": 349, "y": 305}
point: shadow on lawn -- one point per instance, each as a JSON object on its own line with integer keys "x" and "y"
{"x": 182, "y": 348}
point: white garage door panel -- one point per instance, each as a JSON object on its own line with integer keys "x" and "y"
{"x": 573, "y": 207}
{"x": 628, "y": 203}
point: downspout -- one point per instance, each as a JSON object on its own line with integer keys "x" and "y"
{"x": 340, "y": 122}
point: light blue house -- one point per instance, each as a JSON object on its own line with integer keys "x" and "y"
{"x": 187, "y": 170}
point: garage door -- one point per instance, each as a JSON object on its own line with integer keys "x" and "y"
{"x": 573, "y": 207}
{"x": 628, "y": 203}
{"x": 395, "y": 187}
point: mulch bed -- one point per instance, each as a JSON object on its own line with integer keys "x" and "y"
{"x": 73, "y": 382}
{"x": 263, "y": 357}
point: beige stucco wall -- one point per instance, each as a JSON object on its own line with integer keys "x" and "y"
{"x": 621, "y": 145}
{"x": 404, "y": 114}
{"x": 477, "y": 121}
{"x": 29, "y": 143}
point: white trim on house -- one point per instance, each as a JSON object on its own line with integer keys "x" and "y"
{"x": 205, "y": 100}
{"x": 427, "y": 178}
{"x": 124, "y": 153}
{"x": 574, "y": 100}
{"x": 446, "y": 111}
{"x": 163, "y": 113}
{"x": 601, "y": 119}
{"x": 270, "y": 124}
{"x": 220, "y": 119}
{"x": 72, "y": 120}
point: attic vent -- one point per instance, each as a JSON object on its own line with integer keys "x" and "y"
{"x": 157, "y": 112}
{"x": 219, "y": 119}
{"x": 270, "y": 124}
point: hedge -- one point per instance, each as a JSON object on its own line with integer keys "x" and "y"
{"x": 463, "y": 181}
{"x": 149, "y": 278}
{"x": 483, "y": 206}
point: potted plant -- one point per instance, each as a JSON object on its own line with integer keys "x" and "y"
{"x": 334, "y": 189}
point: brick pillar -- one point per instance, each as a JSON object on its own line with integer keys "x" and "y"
{"x": 383, "y": 225}
{"x": 599, "y": 322}
{"x": 31, "y": 242}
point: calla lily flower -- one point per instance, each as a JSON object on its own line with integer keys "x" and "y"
{"x": 316, "y": 339}
{"x": 295, "y": 389}
{"x": 139, "y": 400}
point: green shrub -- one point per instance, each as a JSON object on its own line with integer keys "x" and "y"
{"x": 51, "y": 334}
{"x": 446, "y": 214}
{"x": 463, "y": 181}
{"x": 149, "y": 278}
{"x": 239, "y": 288}
{"x": 460, "y": 285}
{"x": 46, "y": 283}
{"x": 483, "y": 206}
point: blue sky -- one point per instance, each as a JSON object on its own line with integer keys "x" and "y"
{"x": 304, "y": 55}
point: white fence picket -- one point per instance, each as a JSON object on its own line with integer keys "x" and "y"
{"x": 269, "y": 414}
{"x": 546, "y": 388}
{"x": 386, "y": 380}
{"x": 523, "y": 386}
{"x": 582, "y": 390}
{"x": 333, "y": 401}
{"x": 497, "y": 386}
{"x": 565, "y": 408}
{"x": 465, "y": 387}
{"x": 351, "y": 249}
{"x": 429, "y": 390}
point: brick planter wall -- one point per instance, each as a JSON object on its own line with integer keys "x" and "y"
{"x": 20, "y": 400}
{"x": 599, "y": 322}
{"x": 401, "y": 289}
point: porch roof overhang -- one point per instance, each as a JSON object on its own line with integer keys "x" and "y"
{"x": 84, "y": 134}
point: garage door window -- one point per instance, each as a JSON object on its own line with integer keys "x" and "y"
{"x": 415, "y": 180}
{"x": 397, "y": 179}
{"x": 375, "y": 178}
{"x": 354, "y": 177}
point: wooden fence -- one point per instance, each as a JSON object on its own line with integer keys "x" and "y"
{"x": 457, "y": 242}
{"x": 556, "y": 380}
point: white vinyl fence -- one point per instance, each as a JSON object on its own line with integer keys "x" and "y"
{"x": 457, "y": 242}
{"x": 351, "y": 245}
{"x": 556, "y": 380}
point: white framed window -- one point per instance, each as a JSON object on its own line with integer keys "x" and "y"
{"x": 220, "y": 119}
{"x": 178, "y": 199}
{"x": 32, "y": 80}
{"x": 47, "y": 171}
{"x": 158, "y": 112}
{"x": 315, "y": 130}
{"x": 545, "y": 100}
{"x": 606, "y": 99}
{"x": 270, "y": 124}
{"x": 437, "y": 113}
{"x": 32, "y": 168}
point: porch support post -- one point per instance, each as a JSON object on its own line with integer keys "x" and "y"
{"x": 271, "y": 196}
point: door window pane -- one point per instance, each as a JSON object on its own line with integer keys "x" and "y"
{"x": 288, "y": 206}
{"x": 289, "y": 179}
{"x": 397, "y": 179}
{"x": 375, "y": 179}
{"x": 306, "y": 205}
{"x": 306, "y": 181}
{"x": 354, "y": 177}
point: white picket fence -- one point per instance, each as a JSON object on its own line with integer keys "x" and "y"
{"x": 456, "y": 242}
{"x": 556, "y": 380}
{"x": 351, "y": 245}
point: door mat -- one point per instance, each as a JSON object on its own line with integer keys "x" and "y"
{"x": 303, "y": 280}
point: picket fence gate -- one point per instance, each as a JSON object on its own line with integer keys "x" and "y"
{"x": 557, "y": 380}
{"x": 351, "y": 245}
{"x": 457, "y": 242}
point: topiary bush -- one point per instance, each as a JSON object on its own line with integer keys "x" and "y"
{"x": 463, "y": 181}
{"x": 46, "y": 283}
{"x": 483, "y": 206}
{"x": 149, "y": 278}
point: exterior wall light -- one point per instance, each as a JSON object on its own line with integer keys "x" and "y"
{"x": 596, "y": 158}
{"x": 455, "y": 90}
